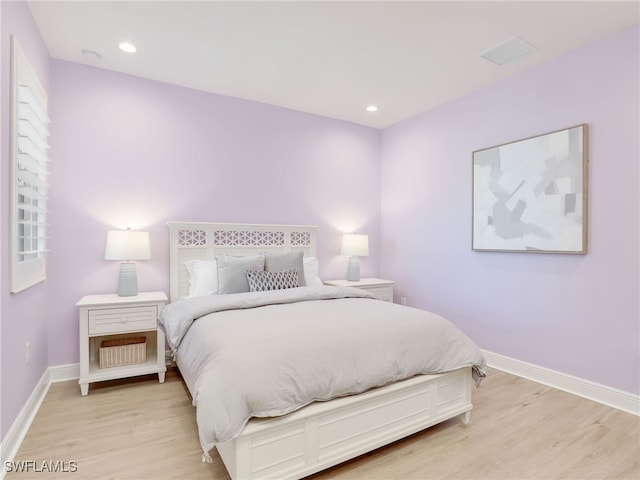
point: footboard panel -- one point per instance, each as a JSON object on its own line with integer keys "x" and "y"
{"x": 324, "y": 434}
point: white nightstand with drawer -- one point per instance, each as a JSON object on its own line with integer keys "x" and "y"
{"x": 382, "y": 288}
{"x": 111, "y": 317}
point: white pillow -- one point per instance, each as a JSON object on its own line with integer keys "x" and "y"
{"x": 203, "y": 277}
{"x": 311, "y": 277}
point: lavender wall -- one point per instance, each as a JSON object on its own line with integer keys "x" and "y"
{"x": 24, "y": 316}
{"x": 574, "y": 314}
{"x": 129, "y": 152}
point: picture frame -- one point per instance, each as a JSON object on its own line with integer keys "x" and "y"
{"x": 530, "y": 195}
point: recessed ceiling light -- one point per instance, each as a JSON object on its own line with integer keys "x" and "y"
{"x": 127, "y": 47}
{"x": 372, "y": 108}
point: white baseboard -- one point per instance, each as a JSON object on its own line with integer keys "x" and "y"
{"x": 12, "y": 441}
{"x": 611, "y": 397}
{"x": 62, "y": 373}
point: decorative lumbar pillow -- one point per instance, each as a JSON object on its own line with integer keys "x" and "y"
{"x": 279, "y": 262}
{"x": 260, "y": 281}
{"x": 311, "y": 272}
{"x": 203, "y": 277}
{"x": 231, "y": 272}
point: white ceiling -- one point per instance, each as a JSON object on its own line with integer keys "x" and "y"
{"x": 326, "y": 58}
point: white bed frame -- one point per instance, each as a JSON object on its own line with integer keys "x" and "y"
{"x": 322, "y": 434}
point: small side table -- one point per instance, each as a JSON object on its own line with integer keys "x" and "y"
{"x": 110, "y": 317}
{"x": 379, "y": 287}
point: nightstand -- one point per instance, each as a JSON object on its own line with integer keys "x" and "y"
{"x": 382, "y": 288}
{"x": 110, "y": 317}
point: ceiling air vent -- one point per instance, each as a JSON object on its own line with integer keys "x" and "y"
{"x": 507, "y": 51}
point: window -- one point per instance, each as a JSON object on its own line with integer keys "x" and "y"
{"x": 29, "y": 127}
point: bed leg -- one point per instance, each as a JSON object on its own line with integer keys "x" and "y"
{"x": 465, "y": 418}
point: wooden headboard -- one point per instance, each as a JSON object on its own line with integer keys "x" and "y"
{"x": 203, "y": 241}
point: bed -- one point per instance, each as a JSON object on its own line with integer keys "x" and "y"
{"x": 331, "y": 423}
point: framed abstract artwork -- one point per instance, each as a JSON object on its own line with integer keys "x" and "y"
{"x": 530, "y": 195}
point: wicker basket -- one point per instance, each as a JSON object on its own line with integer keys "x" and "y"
{"x": 123, "y": 351}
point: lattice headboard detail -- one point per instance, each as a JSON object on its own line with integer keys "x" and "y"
{"x": 202, "y": 241}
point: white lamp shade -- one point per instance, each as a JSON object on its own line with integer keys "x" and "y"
{"x": 355, "y": 245}
{"x": 127, "y": 245}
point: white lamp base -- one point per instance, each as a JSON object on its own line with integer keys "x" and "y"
{"x": 353, "y": 270}
{"x": 128, "y": 284}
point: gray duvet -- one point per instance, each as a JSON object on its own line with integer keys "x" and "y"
{"x": 266, "y": 354}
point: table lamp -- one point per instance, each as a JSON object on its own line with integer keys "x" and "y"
{"x": 354, "y": 245}
{"x": 127, "y": 246}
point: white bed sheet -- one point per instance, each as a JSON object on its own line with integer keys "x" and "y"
{"x": 265, "y": 355}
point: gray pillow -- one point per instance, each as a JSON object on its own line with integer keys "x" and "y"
{"x": 231, "y": 272}
{"x": 279, "y": 262}
{"x": 260, "y": 281}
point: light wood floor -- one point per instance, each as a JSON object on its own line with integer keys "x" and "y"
{"x": 139, "y": 429}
